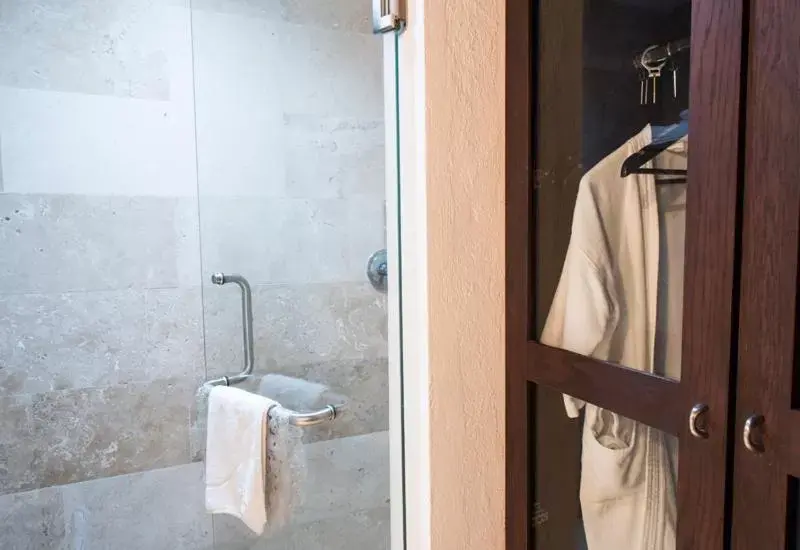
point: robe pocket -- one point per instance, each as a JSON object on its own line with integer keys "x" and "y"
{"x": 613, "y": 462}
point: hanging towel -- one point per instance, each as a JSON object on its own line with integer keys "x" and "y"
{"x": 235, "y": 455}
{"x": 254, "y": 459}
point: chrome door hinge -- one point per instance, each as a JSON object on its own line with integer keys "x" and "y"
{"x": 386, "y": 16}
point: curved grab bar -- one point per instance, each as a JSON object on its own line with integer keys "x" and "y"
{"x": 303, "y": 420}
{"x": 247, "y": 325}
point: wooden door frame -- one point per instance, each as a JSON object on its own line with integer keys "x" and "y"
{"x": 718, "y": 40}
{"x": 768, "y": 332}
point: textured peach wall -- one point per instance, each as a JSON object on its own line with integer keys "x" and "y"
{"x": 464, "y": 73}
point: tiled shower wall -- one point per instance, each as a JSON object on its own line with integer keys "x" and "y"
{"x": 143, "y": 145}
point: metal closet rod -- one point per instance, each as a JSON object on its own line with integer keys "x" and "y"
{"x": 327, "y": 414}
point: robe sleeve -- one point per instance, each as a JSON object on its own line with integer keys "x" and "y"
{"x": 582, "y": 312}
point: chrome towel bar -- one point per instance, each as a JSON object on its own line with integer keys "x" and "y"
{"x": 328, "y": 414}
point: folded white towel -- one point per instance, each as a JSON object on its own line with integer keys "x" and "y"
{"x": 236, "y": 455}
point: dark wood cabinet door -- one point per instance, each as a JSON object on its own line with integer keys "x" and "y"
{"x": 765, "y": 488}
{"x": 577, "y": 105}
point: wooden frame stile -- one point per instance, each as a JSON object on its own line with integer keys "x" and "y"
{"x": 709, "y": 326}
{"x": 518, "y": 172}
{"x": 765, "y": 498}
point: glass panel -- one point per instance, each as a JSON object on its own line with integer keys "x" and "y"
{"x": 291, "y": 155}
{"x": 610, "y": 248}
{"x": 600, "y": 480}
{"x": 145, "y": 144}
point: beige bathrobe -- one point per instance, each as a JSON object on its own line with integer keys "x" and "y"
{"x": 605, "y": 307}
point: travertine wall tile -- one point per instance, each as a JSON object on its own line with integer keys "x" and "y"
{"x": 274, "y": 241}
{"x": 99, "y": 291}
{"x": 348, "y": 481}
{"x": 324, "y": 14}
{"x": 368, "y": 529}
{"x": 124, "y": 48}
{"x": 296, "y": 324}
{"x": 63, "y": 243}
{"x": 334, "y": 157}
{"x": 155, "y": 510}
{"x": 33, "y": 521}
{"x": 63, "y": 437}
{"x": 341, "y": 15}
{"x": 99, "y": 339}
{"x": 72, "y": 340}
{"x": 239, "y": 127}
{"x": 67, "y": 143}
{"x": 331, "y": 73}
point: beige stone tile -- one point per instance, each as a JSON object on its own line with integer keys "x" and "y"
{"x": 345, "y": 15}
{"x": 73, "y": 340}
{"x": 331, "y": 73}
{"x": 96, "y": 339}
{"x": 68, "y": 436}
{"x": 275, "y": 241}
{"x": 239, "y": 112}
{"x": 345, "y": 475}
{"x": 334, "y": 157}
{"x": 63, "y": 243}
{"x": 248, "y": 8}
{"x": 154, "y": 510}
{"x": 80, "y": 144}
{"x": 367, "y": 530}
{"x": 297, "y": 325}
{"x": 174, "y": 340}
{"x": 129, "y": 48}
{"x": 32, "y": 521}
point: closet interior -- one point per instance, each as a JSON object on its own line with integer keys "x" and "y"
{"x": 652, "y": 336}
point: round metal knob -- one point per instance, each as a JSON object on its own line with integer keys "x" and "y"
{"x": 695, "y": 428}
{"x": 378, "y": 271}
{"x": 752, "y": 436}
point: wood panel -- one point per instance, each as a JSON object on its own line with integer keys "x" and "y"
{"x": 767, "y": 332}
{"x": 518, "y": 164}
{"x": 710, "y": 284}
{"x": 558, "y": 143}
{"x": 644, "y": 397}
{"x": 534, "y": 263}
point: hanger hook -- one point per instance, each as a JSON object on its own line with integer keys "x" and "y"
{"x": 656, "y": 65}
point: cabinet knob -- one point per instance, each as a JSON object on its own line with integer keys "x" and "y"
{"x": 753, "y": 440}
{"x": 697, "y": 430}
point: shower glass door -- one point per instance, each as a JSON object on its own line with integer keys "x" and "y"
{"x": 292, "y": 188}
{"x": 144, "y": 146}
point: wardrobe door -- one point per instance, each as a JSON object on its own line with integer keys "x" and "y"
{"x": 620, "y": 291}
{"x": 767, "y": 457}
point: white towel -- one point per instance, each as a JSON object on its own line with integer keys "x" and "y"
{"x": 235, "y": 455}
{"x": 254, "y": 459}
